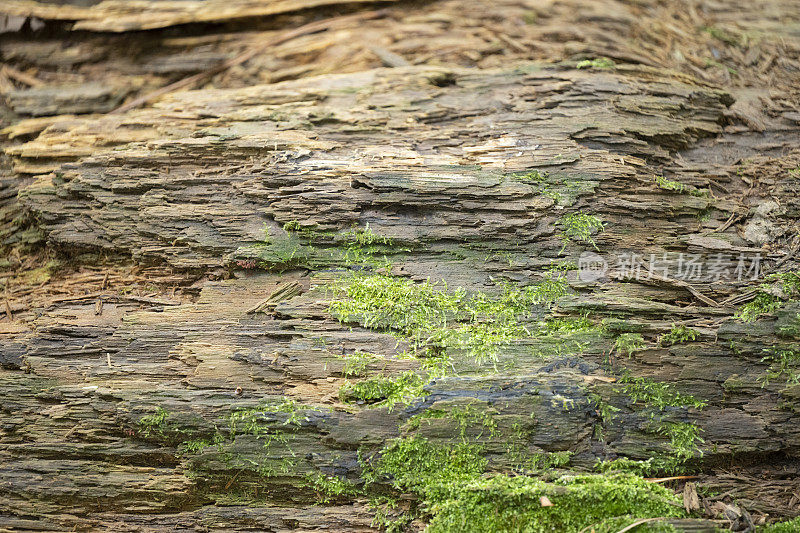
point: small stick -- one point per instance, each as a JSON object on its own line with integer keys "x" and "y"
{"x": 663, "y": 479}
{"x": 733, "y": 218}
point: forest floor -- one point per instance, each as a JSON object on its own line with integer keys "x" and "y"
{"x": 470, "y": 265}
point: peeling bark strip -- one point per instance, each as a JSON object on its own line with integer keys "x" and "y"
{"x": 348, "y": 169}
{"x": 123, "y": 15}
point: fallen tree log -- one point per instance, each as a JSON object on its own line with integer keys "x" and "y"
{"x": 123, "y": 16}
{"x": 531, "y": 271}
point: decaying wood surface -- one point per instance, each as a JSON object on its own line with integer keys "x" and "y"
{"x": 123, "y": 15}
{"x": 198, "y": 188}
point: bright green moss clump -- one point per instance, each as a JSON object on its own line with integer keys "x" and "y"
{"x": 677, "y": 335}
{"x": 432, "y": 317}
{"x": 784, "y": 364}
{"x": 460, "y": 497}
{"x": 629, "y": 343}
{"x": 784, "y": 286}
{"x": 504, "y": 503}
{"x": 432, "y": 470}
{"x": 381, "y": 390}
{"x": 580, "y": 227}
{"x": 762, "y": 304}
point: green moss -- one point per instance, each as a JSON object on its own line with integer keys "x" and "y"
{"x": 762, "y": 304}
{"x": 790, "y": 526}
{"x": 530, "y": 17}
{"x": 629, "y": 343}
{"x": 600, "y": 63}
{"x": 384, "y": 302}
{"x": 684, "y": 440}
{"x": 275, "y": 424}
{"x": 456, "y": 494}
{"x": 789, "y": 282}
{"x": 465, "y": 416}
{"x": 533, "y": 176}
{"x": 330, "y": 488}
{"x": 684, "y": 437}
{"x": 436, "y": 319}
{"x": 677, "y": 335}
{"x": 561, "y": 266}
{"x": 722, "y": 35}
{"x": 656, "y": 395}
{"x": 382, "y": 390}
{"x": 429, "y": 469}
{"x": 670, "y": 185}
{"x": 778, "y": 288}
{"x": 626, "y": 465}
{"x": 580, "y": 227}
{"x": 305, "y": 246}
{"x": 251, "y": 421}
{"x": 154, "y": 425}
{"x": 784, "y": 363}
{"x": 605, "y": 412}
{"x": 504, "y": 503}
{"x": 357, "y": 363}
{"x": 197, "y": 445}
{"x": 540, "y": 462}
{"x": 567, "y": 325}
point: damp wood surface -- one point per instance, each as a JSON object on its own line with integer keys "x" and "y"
{"x": 176, "y": 351}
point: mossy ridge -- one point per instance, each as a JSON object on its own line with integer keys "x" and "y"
{"x": 564, "y": 189}
{"x": 307, "y": 247}
{"x": 408, "y": 309}
{"x": 163, "y": 427}
{"x": 657, "y": 395}
{"x": 784, "y": 364}
{"x": 481, "y": 425}
{"x": 677, "y": 335}
{"x": 677, "y": 187}
{"x": 229, "y": 457}
{"x": 598, "y": 63}
{"x": 659, "y": 402}
{"x": 465, "y": 417}
{"x": 778, "y": 289}
{"x": 629, "y": 343}
{"x": 357, "y": 364}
